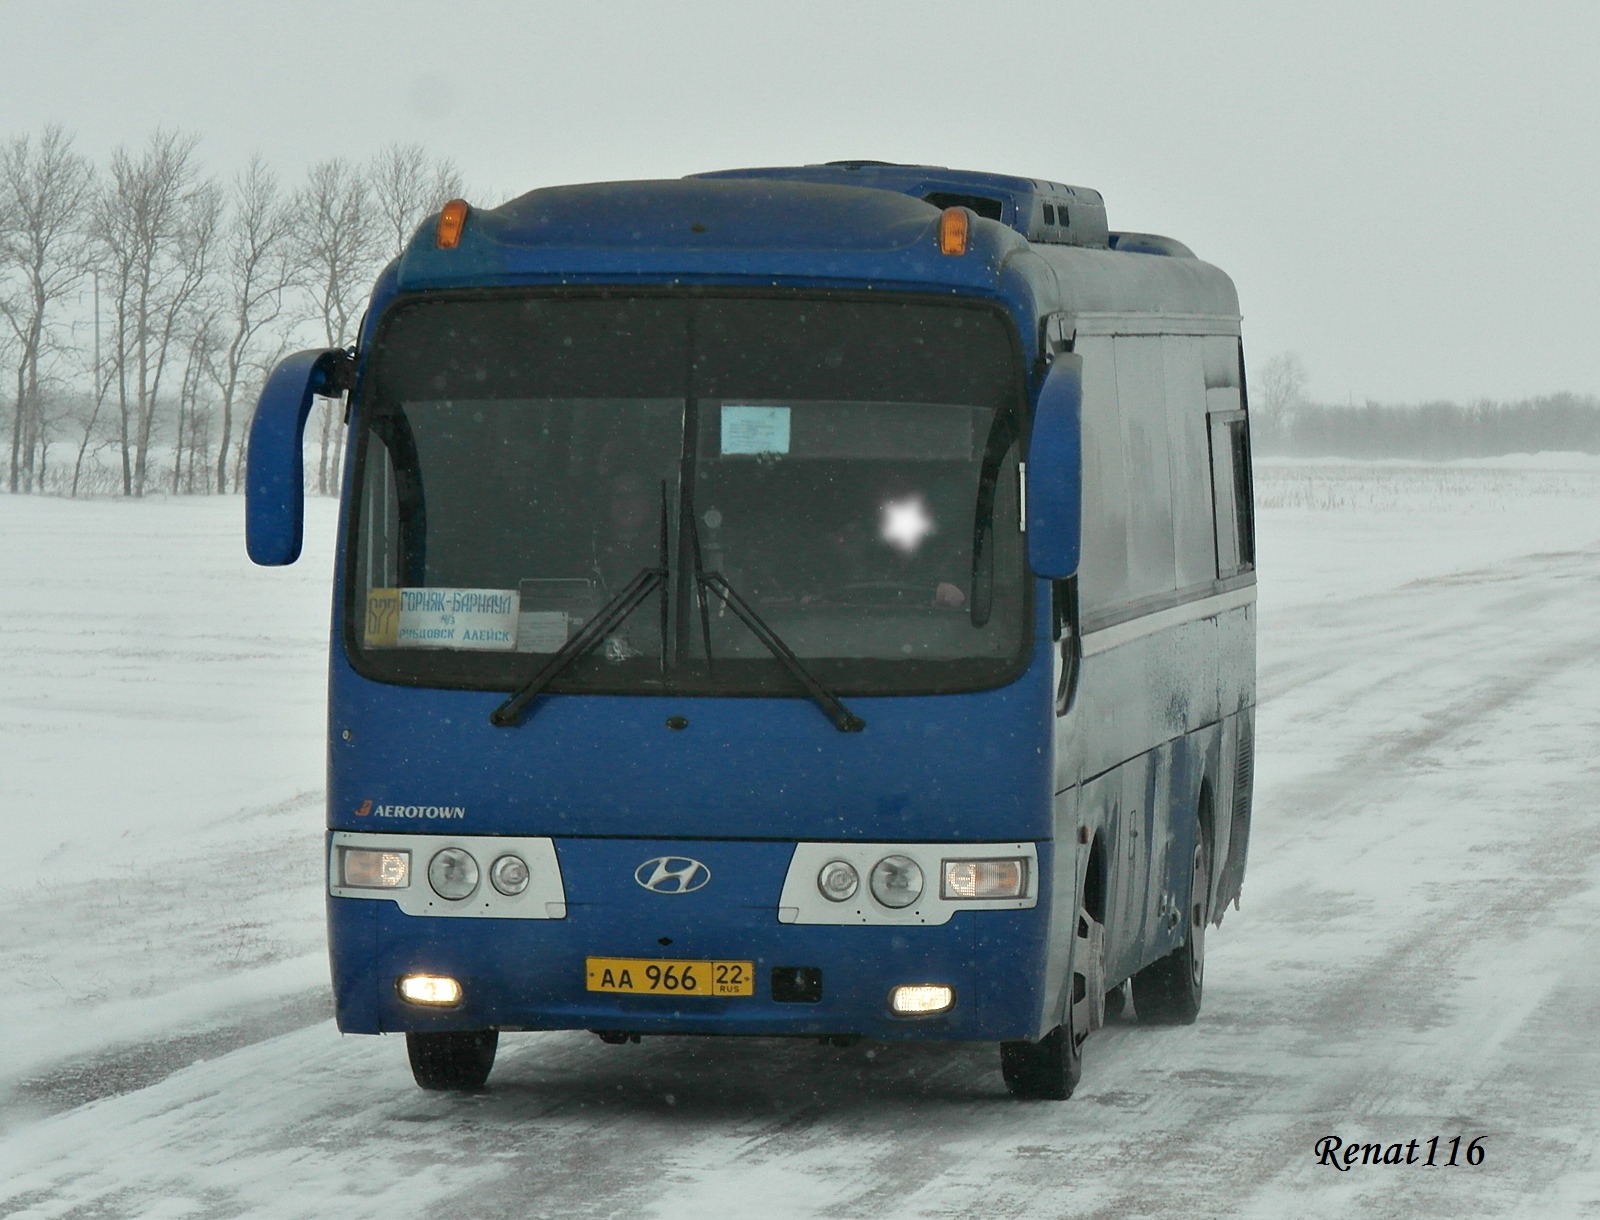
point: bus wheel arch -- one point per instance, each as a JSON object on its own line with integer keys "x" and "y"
{"x": 1049, "y": 1069}
{"x": 1093, "y": 887}
{"x": 1206, "y": 830}
{"x": 1169, "y": 990}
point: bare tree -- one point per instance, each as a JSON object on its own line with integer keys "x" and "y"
{"x": 179, "y": 323}
{"x": 157, "y": 226}
{"x": 338, "y": 247}
{"x": 101, "y": 372}
{"x": 257, "y": 268}
{"x": 44, "y": 188}
{"x": 407, "y": 186}
{"x": 1282, "y": 387}
{"x": 193, "y": 424}
{"x": 8, "y": 350}
{"x": 57, "y": 406}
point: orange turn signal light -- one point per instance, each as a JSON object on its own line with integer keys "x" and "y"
{"x": 451, "y": 221}
{"x": 953, "y": 231}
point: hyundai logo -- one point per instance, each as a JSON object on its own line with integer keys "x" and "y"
{"x": 672, "y": 875}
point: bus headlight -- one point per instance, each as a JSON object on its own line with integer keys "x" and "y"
{"x": 362, "y": 868}
{"x": 509, "y": 875}
{"x": 985, "y": 878}
{"x": 453, "y": 874}
{"x": 896, "y": 881}
{"x": 838, "y": 881}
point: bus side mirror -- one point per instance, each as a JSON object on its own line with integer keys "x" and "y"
{"x": 1055, "y": 472}
{"x": 274, "y": 498}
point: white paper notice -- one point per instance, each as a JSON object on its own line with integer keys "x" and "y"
{"x": 755, "y": 430}
{"x": 483, "y": 619}
{"x": 542, "y": 630}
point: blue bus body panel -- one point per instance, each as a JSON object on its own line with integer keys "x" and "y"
{"x": 976, "y": 766}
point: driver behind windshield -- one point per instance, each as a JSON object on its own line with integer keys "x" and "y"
{"x": 886, "y": 544}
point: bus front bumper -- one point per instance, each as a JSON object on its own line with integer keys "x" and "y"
{"x": 532, "y": 974}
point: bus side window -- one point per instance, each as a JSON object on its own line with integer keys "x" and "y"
{"x": 1147, "y": 460}
{"x": 1231, "y": 493}
{"x": 1103, "y": 570}
{"x": 1193, "y": 532}
{"x": 1243, "y": 491}
{"x": 393, "y": 540}
{"x": 378, "y": 553}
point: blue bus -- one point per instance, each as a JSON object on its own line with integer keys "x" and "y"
{"x": 809, "y": 601}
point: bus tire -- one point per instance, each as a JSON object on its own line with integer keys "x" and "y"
{"x": 1168, "y": 991}
{"x": 1046, "y": 1070}
{"x": 1049, "y": 1069}
{"x": 457, "y": 1061}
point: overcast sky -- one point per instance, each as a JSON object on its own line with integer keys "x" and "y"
{"x": 1405, "y": 193}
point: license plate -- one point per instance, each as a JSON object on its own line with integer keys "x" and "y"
{"x": 645, "y": 976}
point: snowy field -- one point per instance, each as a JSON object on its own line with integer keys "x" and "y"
{"x": 1415, "y": 956}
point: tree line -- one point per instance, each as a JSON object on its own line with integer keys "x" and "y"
{"x": 1284, "y": 422}
{"x": 144, "y": 301}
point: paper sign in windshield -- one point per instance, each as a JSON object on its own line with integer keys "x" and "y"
{"x": 755, "y": 430}
{"x": 473, "y": 619}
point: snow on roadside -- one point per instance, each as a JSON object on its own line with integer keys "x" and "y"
{"x": 162, "y": 709}
{"x": 1437, "y": 519}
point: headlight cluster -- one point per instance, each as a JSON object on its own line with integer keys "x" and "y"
{"x": 452, "y": 872}
{"x": 897, "y": 881}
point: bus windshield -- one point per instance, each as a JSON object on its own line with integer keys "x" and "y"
{"x": 848, "y": 466}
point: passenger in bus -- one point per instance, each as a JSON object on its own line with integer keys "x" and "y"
{"x": 627, "y": 531}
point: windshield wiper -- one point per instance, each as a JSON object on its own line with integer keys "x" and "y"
{"x": 842, "y": 717}
{"x": 596, "y": 629}
{"x": 607, "y": 620}
{"x": 648, "y": 580}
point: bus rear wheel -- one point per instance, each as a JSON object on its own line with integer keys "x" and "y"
{"x": 455, "y": 1060}
{"x": 1168, "y": 991}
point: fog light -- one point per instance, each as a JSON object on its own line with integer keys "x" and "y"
{"x": 432, "y": 989}
{"x": 509, "y": 874}
{"x": 985, "y": 878}
{"x": 838, "y": 881}
{"x": 896, "y": 881}
{"x": 453, "y": 874}
{"x": 921, "y": 999}
{"x": 364, "y": 869}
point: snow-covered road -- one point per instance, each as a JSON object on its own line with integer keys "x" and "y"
{"x": 1415, "y": 957}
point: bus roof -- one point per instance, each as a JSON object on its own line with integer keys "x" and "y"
{"x": 698, "y": 228}
{"x": 847, "y": 223}
{"x": 1018, "y": 203}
